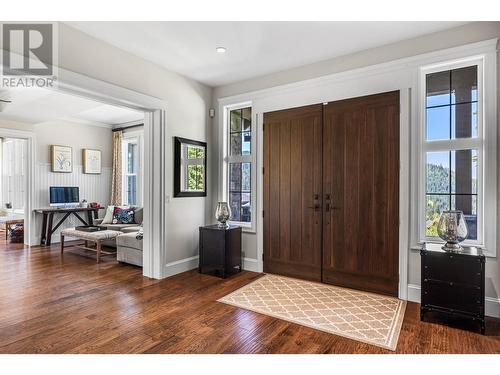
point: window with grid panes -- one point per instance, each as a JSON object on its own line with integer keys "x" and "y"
{"x": 239, "y": 164}
{"x": 452, "y": 147}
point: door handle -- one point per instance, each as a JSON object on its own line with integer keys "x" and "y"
{"x": 327, "y": 202}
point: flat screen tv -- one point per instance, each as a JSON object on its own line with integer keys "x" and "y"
{"x": 64, "y": 195}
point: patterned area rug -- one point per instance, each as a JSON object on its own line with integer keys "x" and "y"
{"x": 370, "y": 318}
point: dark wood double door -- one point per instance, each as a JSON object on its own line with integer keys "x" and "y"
{"x": 331, "y": 192}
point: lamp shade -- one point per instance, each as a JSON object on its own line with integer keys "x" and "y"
{"x": 452, "y": 228}
{"x": 222, "y": 213}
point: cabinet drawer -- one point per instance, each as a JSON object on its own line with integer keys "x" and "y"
{"x": 453, "y": 268}
{"x": 452, "y": 296}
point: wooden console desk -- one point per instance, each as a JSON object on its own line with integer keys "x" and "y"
{"x": 48, "y": 219}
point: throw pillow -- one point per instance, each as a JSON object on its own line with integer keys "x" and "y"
{"x": 108, "y": 217}
{"x": 123, "y": 215}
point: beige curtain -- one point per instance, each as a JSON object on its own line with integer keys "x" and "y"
{"x": 116, "y": 181}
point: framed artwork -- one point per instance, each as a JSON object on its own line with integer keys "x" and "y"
{"x": 91, "y": 161}
{"x": 61, "y": 158}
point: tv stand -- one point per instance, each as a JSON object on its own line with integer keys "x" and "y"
{"x": 48, "y": 219}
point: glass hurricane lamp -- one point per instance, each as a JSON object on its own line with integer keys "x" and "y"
{"x": 452, "y": 228}
{"x": 222, "y": 214}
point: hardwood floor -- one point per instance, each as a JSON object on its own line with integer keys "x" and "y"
{"x": 70, "y": 304}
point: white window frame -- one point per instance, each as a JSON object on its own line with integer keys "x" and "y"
{"x": 486, "y": 151}
{"x": 252, "y": 158}
{"x": 133, "y": 137}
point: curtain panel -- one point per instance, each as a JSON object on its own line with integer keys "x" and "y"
{"x": 116, "y": 181}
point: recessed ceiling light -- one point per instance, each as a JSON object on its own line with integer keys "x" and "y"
{"x": 221, "y": 50}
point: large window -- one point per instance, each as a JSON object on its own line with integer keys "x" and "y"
{"x": 132, "y": 169}
{"x": 453, "y": 147}
{"x": 239, "y": 164}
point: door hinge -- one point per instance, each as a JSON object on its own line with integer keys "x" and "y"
{"x": 262, "y": 170}
{"x": 262, "y": 256}
{"x": 262, "y": 213}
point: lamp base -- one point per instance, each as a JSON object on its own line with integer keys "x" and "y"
{"x": 451, "y": 246}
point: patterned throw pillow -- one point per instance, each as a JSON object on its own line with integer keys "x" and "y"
{"x": 123, "y": 215}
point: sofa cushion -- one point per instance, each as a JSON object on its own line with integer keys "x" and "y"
{"x": 118, "y": 227}
{"x": 108, "y": 217}
{"x": 131, "y": 229}
{"x": 123, "y": 215}
{"x": 138, "y": 215}
{"x": 129, "y": 240}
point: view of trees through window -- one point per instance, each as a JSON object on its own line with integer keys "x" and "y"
{"x": 451, "y": 175}
{"x": 196, "y": 172}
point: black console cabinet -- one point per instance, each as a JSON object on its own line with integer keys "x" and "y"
{"x": 220, "y": 250}
{"x": 453, "y": 282}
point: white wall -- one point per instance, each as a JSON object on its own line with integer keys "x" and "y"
{"x": 249, "y": 90}
{"x": 187, "y": 116}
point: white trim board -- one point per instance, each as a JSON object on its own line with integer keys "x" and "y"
{"x": 398, "y": 75}
{"x": 188, "y": 264}
{"x": 250, "y": 264}
{"x": 492, "y": 305}
{"x": 179, "y": 266}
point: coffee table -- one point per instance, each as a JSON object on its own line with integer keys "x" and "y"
{"x": 95, "y": 237}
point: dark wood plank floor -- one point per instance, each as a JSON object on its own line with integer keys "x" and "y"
{"x": 70, "y": 304}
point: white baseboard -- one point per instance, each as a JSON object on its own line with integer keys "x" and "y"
{"x": 250, "y": 264}
{"x": 491, "y": 306}
{"x": 188, "y": 264}
{"x": 180, "y": 266}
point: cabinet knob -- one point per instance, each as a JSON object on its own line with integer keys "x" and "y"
{"x": 451, "y": 283}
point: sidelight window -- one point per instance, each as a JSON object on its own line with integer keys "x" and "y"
{"x": 239, "y": 164}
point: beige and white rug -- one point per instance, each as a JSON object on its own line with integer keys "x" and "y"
{"x": 367, "y": 317}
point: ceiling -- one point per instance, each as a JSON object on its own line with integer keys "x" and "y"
{"x": 36, "y": 105}
{"x": 253, "y": 48}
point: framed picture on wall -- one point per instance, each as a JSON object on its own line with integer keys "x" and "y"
{"x": 91, "y": 161}
{"x": 61, "y": 158}
{"x": 190, "y": 168}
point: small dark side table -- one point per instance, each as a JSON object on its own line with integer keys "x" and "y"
{"x": 453, "y": 282}
{"x": 220, "y": 250}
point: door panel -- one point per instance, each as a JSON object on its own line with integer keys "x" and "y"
{"x": 361, "y": 192}
{"x": 292, "y": 192}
